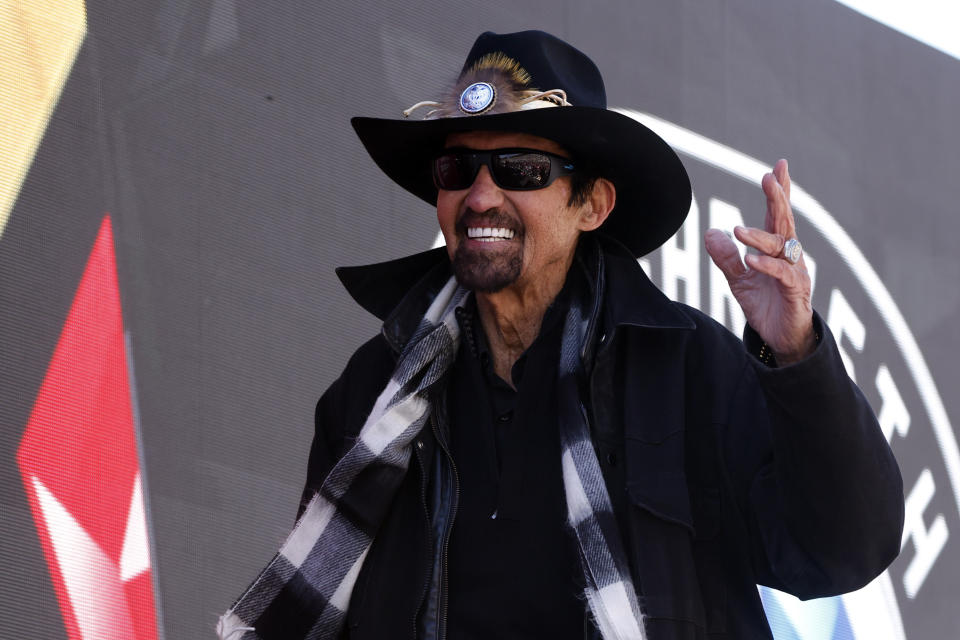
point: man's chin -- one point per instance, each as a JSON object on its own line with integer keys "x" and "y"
{"x": 482, "y": 274}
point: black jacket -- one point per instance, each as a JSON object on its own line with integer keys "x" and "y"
{"x": 724, "y": 473}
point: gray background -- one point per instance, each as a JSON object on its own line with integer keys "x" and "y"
{"x": 216, "y": 135}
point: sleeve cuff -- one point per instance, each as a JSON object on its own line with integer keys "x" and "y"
{"x": 763, "y": 354}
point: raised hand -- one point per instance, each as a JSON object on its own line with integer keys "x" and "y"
{"x": 773, "y": 292}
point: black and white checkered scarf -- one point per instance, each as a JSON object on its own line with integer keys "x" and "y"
{"x": 305, "y": 589}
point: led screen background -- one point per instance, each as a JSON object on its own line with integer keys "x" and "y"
{"x": 179, "y": 180}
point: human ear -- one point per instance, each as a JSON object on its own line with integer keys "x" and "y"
{"x": 598, "y": 206}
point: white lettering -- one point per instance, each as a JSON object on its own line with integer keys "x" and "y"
{"x": 893, "y": 412}
{"x": 725, "y": 216}
{"x": 927, "y": 543}
{"x": 683, "y": 263}
{"x": 843, "y": 321}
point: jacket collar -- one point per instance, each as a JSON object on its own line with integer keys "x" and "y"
{"x": 630, "y": 298}
{"x": 399, "y": 291}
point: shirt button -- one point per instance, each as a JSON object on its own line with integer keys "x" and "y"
{"x": 612, "y": 458}
{"x": 505, "y": 417}
{"x": 419, "y": 444}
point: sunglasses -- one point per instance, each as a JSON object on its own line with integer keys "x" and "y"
{"x": 512, "y": 169}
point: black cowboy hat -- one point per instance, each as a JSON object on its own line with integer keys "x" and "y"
{"x": 653, "y": 190}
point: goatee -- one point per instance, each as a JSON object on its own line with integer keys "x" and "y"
{"x": 486, "y": 274}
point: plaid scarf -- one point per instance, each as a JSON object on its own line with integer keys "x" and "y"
{"x": 608, "y": 590}
{"x": 305, "y": 589}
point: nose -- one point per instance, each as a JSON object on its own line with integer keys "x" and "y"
{"x": 484, "y": 194}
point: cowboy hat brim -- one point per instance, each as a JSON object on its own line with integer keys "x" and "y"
{"x": 653, "y": 190}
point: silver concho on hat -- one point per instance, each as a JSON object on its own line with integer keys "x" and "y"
{"x": 477, "y": 98}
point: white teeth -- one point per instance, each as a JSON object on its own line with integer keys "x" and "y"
{"x": 489, "y": 233}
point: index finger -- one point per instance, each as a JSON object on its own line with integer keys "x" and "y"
{"x": 776, "y": 187}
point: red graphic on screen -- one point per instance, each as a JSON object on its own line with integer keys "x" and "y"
{"x": 81, "y": 471}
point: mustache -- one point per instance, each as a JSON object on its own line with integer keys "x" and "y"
{"x": 490, "y": 218}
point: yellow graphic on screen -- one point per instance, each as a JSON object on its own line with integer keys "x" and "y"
{"x": 39, "y": 40}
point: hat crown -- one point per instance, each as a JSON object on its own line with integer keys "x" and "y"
{"x": 550, "y": 62}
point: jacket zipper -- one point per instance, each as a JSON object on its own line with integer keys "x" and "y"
{"x": 441, "y": 595}
{"x": 426, "y": 516}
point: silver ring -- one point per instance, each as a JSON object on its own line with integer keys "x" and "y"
{"x": 792, "y": 251}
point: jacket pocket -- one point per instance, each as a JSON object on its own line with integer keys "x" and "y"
{"x": 661, "y": 542}
{"x": 682, "y": 575}
{"x": 656, "y": 480}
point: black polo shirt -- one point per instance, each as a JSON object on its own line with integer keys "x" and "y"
{"x": 513, "y": 564}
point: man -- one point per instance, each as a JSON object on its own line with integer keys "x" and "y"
{"x": 541, "y": 444}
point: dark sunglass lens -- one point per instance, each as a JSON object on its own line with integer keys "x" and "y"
{"x": 522, "y": 170}
{"x": 454, "y": 171}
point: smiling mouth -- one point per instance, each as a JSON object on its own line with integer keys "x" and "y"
{"x": 489, "y": 234}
